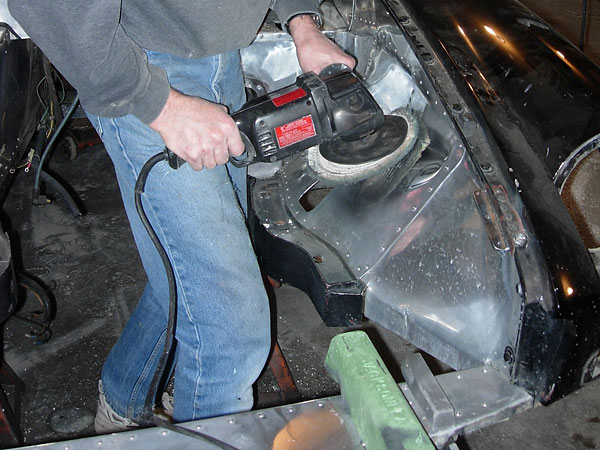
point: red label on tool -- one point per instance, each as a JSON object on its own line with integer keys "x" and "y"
{"x": 289, "y": 97}
{"x": 296, "y": 131}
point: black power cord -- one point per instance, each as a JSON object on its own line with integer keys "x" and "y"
{"x": 148, "y": 416}
{"x": 162, "y": 363}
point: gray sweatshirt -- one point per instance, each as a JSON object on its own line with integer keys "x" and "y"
{"x": 98, "y": 44}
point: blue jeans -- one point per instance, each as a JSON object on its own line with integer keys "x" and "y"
{"x": 222, "y": 332}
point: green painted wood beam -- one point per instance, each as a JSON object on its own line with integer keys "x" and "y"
{"x": 381, "y": 414}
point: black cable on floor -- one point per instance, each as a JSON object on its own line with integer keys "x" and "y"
{"x": 148, "y": 415}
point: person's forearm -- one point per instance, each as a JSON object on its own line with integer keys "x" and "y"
{"x": 314, "y": 50}
{"x": 302, "y": 27}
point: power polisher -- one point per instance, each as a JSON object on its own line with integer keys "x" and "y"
{"x": 334, "y": 115}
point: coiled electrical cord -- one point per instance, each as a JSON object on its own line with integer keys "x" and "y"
{"x": 148, "y": 416}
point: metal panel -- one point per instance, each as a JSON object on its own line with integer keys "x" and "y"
{"x": 420, "y": 246}
{"x": 476, "y": 398}
{"x": 318, "y": 425}
{"x": 6, "y": 17}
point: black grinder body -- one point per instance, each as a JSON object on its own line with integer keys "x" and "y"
{"x": 307, "y": 113}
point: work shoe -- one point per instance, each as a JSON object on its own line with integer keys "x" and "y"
{"x": 167, "y": 404}
{"x": 107, "y": 420}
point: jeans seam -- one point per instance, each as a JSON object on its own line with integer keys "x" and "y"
{"x": 216, "y": 78}
{"x": 143, "y": 374}
{"x": 197, "y": 358}
{"x": 117, "y": 133}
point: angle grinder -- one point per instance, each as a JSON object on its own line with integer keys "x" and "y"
{"x": 332, "y": 114}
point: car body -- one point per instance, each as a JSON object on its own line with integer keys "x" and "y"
{"x": 472, "y": 255}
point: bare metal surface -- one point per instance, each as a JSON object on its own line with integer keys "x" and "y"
{"x": 491, "y": 218}
{"x": 478, "y": 397}
{"x": 434, "y": 406}
{"x": 314, "y": 425}
{"x": 6, "y": 17}
{"x": 431, "y": 274}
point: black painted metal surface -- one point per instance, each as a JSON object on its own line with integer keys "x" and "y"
{"x": 20, "y": 72}
{"x": 540, "y": 98}
{"x": 338, "y": 304}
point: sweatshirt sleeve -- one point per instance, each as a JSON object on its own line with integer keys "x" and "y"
{"x": 86, "y": 43}
{"x": 286, "y": 9}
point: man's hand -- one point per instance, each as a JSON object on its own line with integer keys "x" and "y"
{"x": 198, "y": 131}
{"x": 314, "y": 50}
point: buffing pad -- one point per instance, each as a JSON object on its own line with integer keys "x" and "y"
{"x": 344, "y": 161}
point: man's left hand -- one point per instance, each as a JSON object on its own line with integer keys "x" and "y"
{"x": 314, "y": 50}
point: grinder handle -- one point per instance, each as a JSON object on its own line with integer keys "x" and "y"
{"x": 249, "y": 156}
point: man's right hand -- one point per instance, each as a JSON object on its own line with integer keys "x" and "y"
{"x": 198, "y": 131}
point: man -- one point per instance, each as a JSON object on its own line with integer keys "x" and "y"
{"x": 166, "y": 73}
